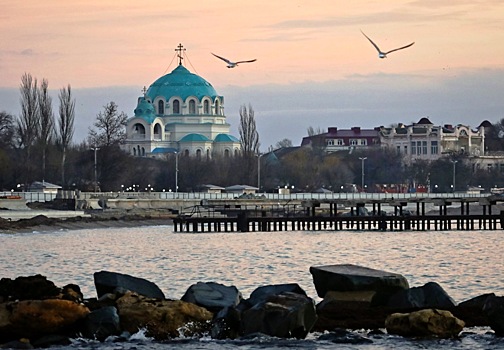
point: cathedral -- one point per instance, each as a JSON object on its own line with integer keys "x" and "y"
{"x": 180, "y": 113}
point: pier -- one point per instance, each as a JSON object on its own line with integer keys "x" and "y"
{"x": 327, "y": 215}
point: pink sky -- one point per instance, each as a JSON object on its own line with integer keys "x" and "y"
{"x": 117, "y": 43}
{"x": 314, "y": 67}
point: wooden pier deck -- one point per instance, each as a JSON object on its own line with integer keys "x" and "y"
{"x": 239, "y": 216}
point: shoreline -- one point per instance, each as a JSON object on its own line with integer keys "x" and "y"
{"x": 12, "y": 222}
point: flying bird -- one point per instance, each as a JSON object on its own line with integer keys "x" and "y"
{"x": 233, "y": 64}
{"x": 382, "y": 54}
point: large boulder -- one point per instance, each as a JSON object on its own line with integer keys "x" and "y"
{"x": 113, "y": 282}
{"x": 34, "y": 318}
{"x": 286, "y": 315}
{"x": 471, "y": 311}
{"x": 349, "y": 310}
{"x": 429, "y": 296}
{"x": 28, "y": 288}
{"x": 348, "y": 277}
{"x": 262, "y": 293}
{"x": 102, "y": 323}
{"x": 422, "y": 323}
{"x": 494, "y": 310}
{"x": 212, "y": 296}
{"x": 162, "y": 319}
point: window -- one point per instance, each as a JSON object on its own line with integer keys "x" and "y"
{"x": 398, "y": 149}
{"x": 353, "y": 142}
{"x": 330, "y": 142}
{"x": 176, "y": 107}
{"x": 405, "y": 149}
{"x": 413, "y": 148}
{"x": 160, "y": 107}
{"x": 363, "y": 142}
{"x": 501, "y": 168}
{"x": 340, "y": 142}
{"x": 192, "y": 107}
{"x": 434, "y": 147}
{"x": 424, "y": 147}
{"x": 198, "y": 154}
{"x": 226, "y": 153}
{"x": 206, "y": 107}
{"x": 217, "y": 107}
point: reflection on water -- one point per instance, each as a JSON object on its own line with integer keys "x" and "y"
{"x": 466, "y": 264}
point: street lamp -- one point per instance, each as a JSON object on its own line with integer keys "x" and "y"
{"x": 95, "y": 149}
{"x": 454, "y": 162}
{"x": 176, "y": 171}
{"x": 362, "y": 172}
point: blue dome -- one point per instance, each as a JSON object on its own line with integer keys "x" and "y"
{"x": 194, "y": 138}
{"x": 182, "y": 83}
{"x": 226, "y": 138}
{"x": 145, "y": 110}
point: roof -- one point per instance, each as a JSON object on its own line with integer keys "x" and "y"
{"x": 164, "y": 150}
{"x": 43, "y": 184}
{"x": 225, "y": 138}
{"x": 145, "y": 110}
{"x": 181, "y": 83}
{"x": 194, "y": 138}
{"x": 240, "y": 188}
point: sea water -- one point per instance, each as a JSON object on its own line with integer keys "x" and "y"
{"x": 465, "y": 263}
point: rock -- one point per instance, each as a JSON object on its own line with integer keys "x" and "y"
{"x": 50, "y": 340}
{"x": 261, "y": 294}
{"x": 226, "y": 324}
{"x": 349, "y": 310}
{"x": 286, "y": 315}
{"x": 102, "y": 323}
{"x": 471, "y": 311}
{"x": 347, "y": 277}
{"x": 34, "y": 318}
{"x": 162, "y": 319}
{"x": 212, "y": 296}
{"x": 430, "y": 296}
{"x": 72, "y": 292}
{"x": 17, "y": 344}
{"x": 428, "y": 322}
{"x": 35, "y": 287}
{"x": 494, "y": 310}
{"x": 112, "y": 282}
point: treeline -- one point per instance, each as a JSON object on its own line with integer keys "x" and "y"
{"x": 37, "y": 146}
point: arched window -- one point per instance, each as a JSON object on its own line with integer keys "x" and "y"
{"x": 160, "y": 107}
{"x": 192, "y": 107}
{"x": 186, "y": 153}
{"x": 217, "y": 107}
{"x": 157, "y": 132}
{"x": 176, "y": 107}
{"x": 208, "y": 153}
{"x": 143, "y": 152}
{"x": 134, "y": 151}
{"x": 198, "y": 154}
{"x": 138, "y": 151}
{"x": 206, "y": 107}
{"x": 226, "y": 153}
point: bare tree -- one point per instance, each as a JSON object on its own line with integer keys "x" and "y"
{"x": 249, "y": 137}
{"x": 110, "y": 127}
{"x": 312, "y": 132}
{"x": 46, "y": 120}
{"x": 285, "y": 143}
{"x": 65, "y": 125}
{"x": 28, "y": 124}
{"x": 7, "y": 130}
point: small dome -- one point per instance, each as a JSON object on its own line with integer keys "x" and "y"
{"x": 145, "y": 110}
{"x": 182, "y": 83}
{"x": 226, "y": 138}
{"x": 194, "y": 138}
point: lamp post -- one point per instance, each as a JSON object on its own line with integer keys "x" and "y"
{"x": 362, "y": 172}
{"x": 95, "y": 149}
{"x": 454, "y": 162}
{"x": 176, "y": 171}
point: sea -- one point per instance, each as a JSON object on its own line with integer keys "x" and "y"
{"x": 465, "y": 263}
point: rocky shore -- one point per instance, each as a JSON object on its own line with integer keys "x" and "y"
{"x": 34, "y": 312}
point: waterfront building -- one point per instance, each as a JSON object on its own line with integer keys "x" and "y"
{"x": 343, "y": 139}
{"x": 180, "y": 113}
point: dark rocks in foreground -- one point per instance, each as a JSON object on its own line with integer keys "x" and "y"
{"x": 35, "y": 312}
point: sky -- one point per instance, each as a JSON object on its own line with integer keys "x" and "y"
{"x": 314, "y": 67}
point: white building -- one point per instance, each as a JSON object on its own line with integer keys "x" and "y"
{"x": 424, "y": 140}
{"x": 180, "y": 113}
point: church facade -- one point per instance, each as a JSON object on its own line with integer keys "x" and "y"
{"x": 180, "y": 113}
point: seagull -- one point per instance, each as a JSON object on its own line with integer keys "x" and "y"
{"x": 233, "y": 64}
{"x": 382, "y": 54}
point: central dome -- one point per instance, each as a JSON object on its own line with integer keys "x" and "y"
{"x": 182, "y": 83}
